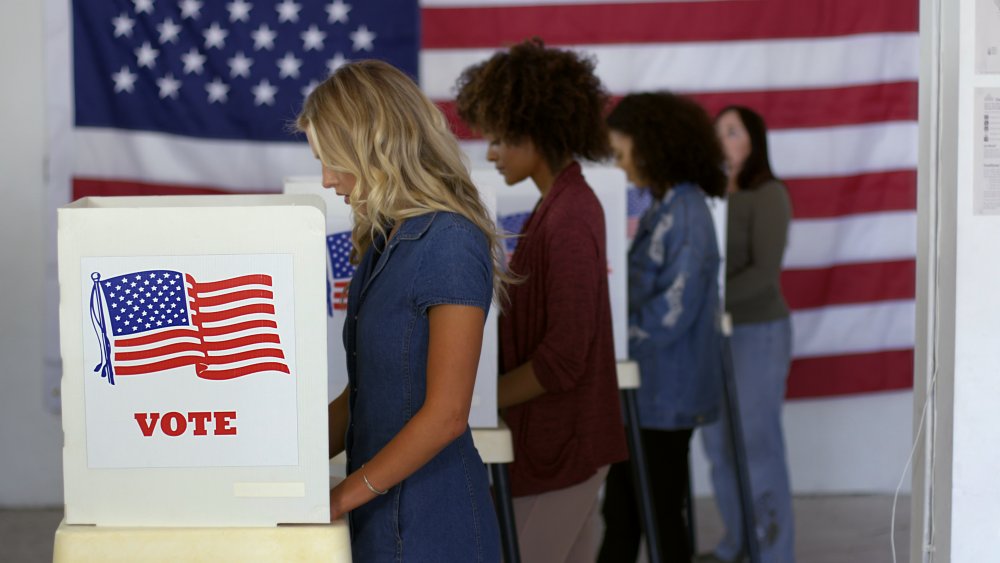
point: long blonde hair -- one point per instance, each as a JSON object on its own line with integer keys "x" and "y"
{"x": 370, "y": 120}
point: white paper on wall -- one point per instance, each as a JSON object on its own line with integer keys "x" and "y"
{"x": 195, "y": 361}
{"x": 988, "y": 36}
{"x": 986, "y": 152}
{"x": 339, "y": 272}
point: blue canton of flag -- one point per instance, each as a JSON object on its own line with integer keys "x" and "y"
{"x": 146, "y": 301}
{"x": 638, "y": 202}
{"x": 224, "y": 70}
{"x": 511, "y": 225}
{"x": 339, "y": 245}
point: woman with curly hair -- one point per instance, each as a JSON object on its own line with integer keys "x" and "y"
{"x": 666, "y": 144}
{"x": 541, "y": 109}
{"x": 428, "y": 260}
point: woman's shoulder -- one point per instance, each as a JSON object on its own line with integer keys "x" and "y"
{"x": 451, "y": 226}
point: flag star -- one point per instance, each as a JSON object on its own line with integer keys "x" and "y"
{"x": 263, "y": 38}
{"x": 133, "y": 284}
{"x": 138, "y": 276}
{"x": 239, "y": 11}
{"x": 118, "y": 287}
{"x": 155, "y": 300}
{"x": 148, "y": 325}
{"x": 312, "y": 38}
{"x": 111, "y": 295}
{"x": 193, "y": 61}
{"x": 308, "y": 88}
{"x": 218, "y": 91}
{"x": 118, "y": 317}
{"x": 169, "y": 31}
{"x": 239, "y": 65}
{"x": 289, "y": 66}
{"x": 363, "y": 39}
{"x": 159, "y": 323}
{"x": 336, "y": 62}
{"x": 135, "y": 328}
{"x": 129, "y": 302}
{"x": 124, "y": 80}
{"x": 147, "y": 281}
{"x": 169, "y": 86}
{"x": 263, "y": 93}
{"x": 130, "y": 315}
{"x": 119, "y": 330}
{"x": 190, "y": 9}
{"x": 126, "y": 323}
{"x": 337, "y": 11}
{"x": 215, "y": 36}
{"x": 143, "y": 6}
{"x": 146, "y": 55}
{"x": 121, "y": 298}
{"x": 134, "y": 308}
{"x": 288, "y": 11}
{"x": 123, "y": 25}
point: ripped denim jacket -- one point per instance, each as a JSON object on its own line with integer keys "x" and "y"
{"x": 674, "y": 312}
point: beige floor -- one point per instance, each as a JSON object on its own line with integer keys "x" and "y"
{"x": 831, "y": 529}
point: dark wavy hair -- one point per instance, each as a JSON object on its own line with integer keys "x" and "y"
{"x": 550, "y": 96}
{"x": 673, "y": 141}
{"x": 757, "y": 168}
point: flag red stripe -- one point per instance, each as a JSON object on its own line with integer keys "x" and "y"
{"x": 157, "y": 366}
{"x": 661, "y": 22}
{"x": 850, "y": 283}
{"x": 247, "y": 355}
{"x": 158, "y": 352}
{"x": 242, "y": 341}
{"x": 143, "y": 339}
{"x": 789, "y": 109}
{"x": 219, "y": 375}
{"x": 237, "y": 312}
{"x": 849, "y": 374}
{"x": 208, "y": 287}
{"x": 233, "y": 297}
{"x": 233, "y": 328}
{"x": 104, "y": 187}
{"x": 815, "y": 198}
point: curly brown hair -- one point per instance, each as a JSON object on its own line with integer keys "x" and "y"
{"x": 673, "y": 141}
{"x": 550, "y": 96}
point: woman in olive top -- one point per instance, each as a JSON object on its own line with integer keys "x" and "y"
{"x": 759, "y": 214}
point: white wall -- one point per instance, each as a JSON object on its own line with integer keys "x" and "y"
{"x": 841, "y": 445}
{"x": 30, "y": 437}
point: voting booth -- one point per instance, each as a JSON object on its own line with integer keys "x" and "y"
{"x": 515, "y": 204}
{"x": 194, "y": 361}
{"x": 337, "y": 277}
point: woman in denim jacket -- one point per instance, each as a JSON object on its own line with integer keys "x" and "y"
{"x": 428, "y": 261}
{"x": 666, "y": 144}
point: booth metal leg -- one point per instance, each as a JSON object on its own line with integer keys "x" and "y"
{"x": 640, "y": 477}
{"x": 505, "y": 513}
{"x": 692, "y": 534}
{"x": 739, "y": 456}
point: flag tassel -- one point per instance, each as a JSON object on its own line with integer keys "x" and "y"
{"x": 97, "y": 320}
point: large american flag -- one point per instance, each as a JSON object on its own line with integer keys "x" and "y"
{"x": 157, "y": 320}
{"x": 203, "y": 109}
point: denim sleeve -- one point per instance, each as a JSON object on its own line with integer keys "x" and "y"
{"x": 456, "y": 269}
{"x": 680, "y": 263}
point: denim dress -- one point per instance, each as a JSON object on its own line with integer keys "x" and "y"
{"x": 674, "y": 312}
{"x": 443, "y": 511}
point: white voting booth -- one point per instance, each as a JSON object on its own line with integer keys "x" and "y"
{"x": 515, "y": 203}
{"x": 338, "y": 275}
{"x": 194, "y": 356}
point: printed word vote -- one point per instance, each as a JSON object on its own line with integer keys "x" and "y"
{"x": 175, "y": 423}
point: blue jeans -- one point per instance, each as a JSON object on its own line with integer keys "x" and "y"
{"x": 761, "y": 357}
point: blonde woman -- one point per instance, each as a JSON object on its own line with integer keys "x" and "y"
{"x": 427, "y": 264}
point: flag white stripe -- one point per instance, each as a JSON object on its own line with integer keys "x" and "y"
{"x": 853, "y": 329}
{"x": 869, "y": 237}
{"x": 156, "y": 359}
{"x": 258, "y": 167}
{"x": 746, "y": 65}
{"x": 816, "y": 152}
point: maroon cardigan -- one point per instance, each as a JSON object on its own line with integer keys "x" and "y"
{"x": 559, "y": 318}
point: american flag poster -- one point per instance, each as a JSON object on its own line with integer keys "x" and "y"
{"x": 189, "y": 361}
{"x": 191, "y": 96}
